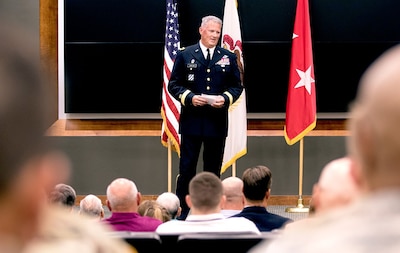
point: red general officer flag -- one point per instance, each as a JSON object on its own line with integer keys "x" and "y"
{"x": 301, "y": 100}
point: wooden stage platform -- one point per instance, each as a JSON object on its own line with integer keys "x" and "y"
{"x": 152, "y": 127}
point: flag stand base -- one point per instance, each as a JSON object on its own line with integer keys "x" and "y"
{"x": 299, "y": 208}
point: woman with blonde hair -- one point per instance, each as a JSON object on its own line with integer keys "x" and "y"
{"x": 152, "y": 209}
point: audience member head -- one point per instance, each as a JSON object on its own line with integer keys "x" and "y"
{"x": 336, "y": 186}
{"x": 171, "y": 202}
{"x": 151, "y": 208}
{"x": 23, "y": 103}
{"x": 205, "y": 194}
{"x": 64, "y": 195}
{"x": 257, "y": 182}
{"x": 233, "y": 191}
{"x": 30, "y": 168}
{"x": 374, "y": 118}
{"x": 91, "y": 206}
{"x": 123, "y": 196}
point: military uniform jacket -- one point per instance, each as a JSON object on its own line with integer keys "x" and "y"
{"x": 191, "y": 75}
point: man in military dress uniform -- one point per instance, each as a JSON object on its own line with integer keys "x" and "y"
{"x": 205, "y": 79}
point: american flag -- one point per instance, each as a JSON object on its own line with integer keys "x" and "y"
{"x": 170, "y": 107}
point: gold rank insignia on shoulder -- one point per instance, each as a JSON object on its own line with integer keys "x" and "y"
{"x": 181, "y": 48}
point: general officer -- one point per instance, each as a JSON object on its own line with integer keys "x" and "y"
{"x": 205, "y": 79}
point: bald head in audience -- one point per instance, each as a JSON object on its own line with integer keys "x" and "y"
{"x": 123, "y": 196}
{"x": 336, "y": 186}
{"x": 233, "y": 191}
{"x": 123, "y": 200}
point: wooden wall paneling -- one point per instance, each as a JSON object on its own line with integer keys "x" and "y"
{"x": 48, "y": 29}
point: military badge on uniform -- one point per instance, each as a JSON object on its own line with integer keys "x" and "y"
{"x": 192, "y": 65}
{"x": 224, "y": 61}
{"x": 190, "y": 77}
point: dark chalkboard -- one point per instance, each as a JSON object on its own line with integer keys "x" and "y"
{"x": 114, "y": 50}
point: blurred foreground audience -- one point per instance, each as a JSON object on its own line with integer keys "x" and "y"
{"x": 30, "y": 167}
{"x": 336, "y": 186}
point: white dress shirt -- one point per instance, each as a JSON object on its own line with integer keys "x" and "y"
{"x": 204, "y": 50}
{"x": 207, "y": 223}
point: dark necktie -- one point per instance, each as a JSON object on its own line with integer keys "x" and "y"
{"x": 208, "y": 56}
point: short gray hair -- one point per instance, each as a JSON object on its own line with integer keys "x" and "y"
{"x": 205, "y": 20}
{"x": 169, "y": 201}
{"x": 91, "y": 205}
{"x": 63, "y": 194}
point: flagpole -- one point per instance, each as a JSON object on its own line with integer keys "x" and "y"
{"x": 169, "y": 165}
{"x": 234, "y": 169}
{"x": 300, "y": 207}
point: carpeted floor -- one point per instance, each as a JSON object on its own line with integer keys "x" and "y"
{"x": 281, "y": 210}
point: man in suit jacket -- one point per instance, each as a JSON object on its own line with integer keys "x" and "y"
{"x": 205, "y": 79}
{"x": 257, "y": 189}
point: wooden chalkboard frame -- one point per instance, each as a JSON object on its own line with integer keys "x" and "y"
{"x": 80, "y": 127}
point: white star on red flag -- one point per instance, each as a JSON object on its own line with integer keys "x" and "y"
{"x": 305, "y": 79}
